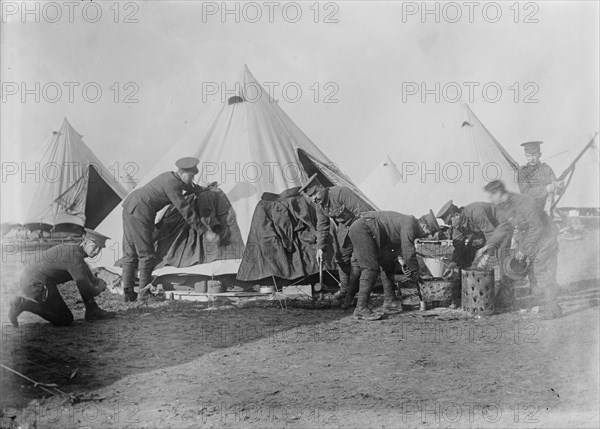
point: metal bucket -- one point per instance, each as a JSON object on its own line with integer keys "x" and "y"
{"x": 440, "y": 292}
{"x": 478, "y": 292}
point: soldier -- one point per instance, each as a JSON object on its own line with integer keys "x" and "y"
{"x": 537, "y": 240}
{"x": 471, "y": 226}
{"x": 342, "y": 205}
{"x": 431, "y": 227}
{"x": 139, "y": 212}
{"x": 377, "y": 238}
{"x": 60, "y": 264}
{"x": 536, "y": 179}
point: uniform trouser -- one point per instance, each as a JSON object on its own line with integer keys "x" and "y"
{"x": 370, "y": 257}
{"x": 348, "y": 267}
{"x": 46, "y": 302}
{"x": 138, "y": 249}
{"x": 543, "y": 271}
{"x": 505, "y": 295}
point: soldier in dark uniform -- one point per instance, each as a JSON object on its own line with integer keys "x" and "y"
{"x": 536, "y": 179}
{"x": 431, "y": 227}
{"x": 471, "y": 226}
{"x": 537, "y": 240}
{"x": 60, "y": 264}
{"x": 378, "y": 237}
{"x": 139, "y": 212}
{"x": 342, "y": 205}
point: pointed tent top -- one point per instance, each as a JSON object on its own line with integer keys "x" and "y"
{"x": 380, "y": 184}
{"x": 71, "y": 159}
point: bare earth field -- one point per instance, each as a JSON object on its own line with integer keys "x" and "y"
{"x": 181, "y": 365}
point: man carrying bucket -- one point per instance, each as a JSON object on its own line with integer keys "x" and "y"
{"x": 537, "y": 240}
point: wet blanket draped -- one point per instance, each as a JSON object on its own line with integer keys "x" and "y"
{"x": 179, "y": 245}
{"x": 282, "y": 239}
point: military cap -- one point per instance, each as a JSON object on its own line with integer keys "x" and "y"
{"x": 309, "y": 186}
{"x": 532, "y": 147}
{"x": 448, "y": 209}
{"x": 431, "y": 221}
{"x": 96, "y": 237}
{"x": 188, "y": 164}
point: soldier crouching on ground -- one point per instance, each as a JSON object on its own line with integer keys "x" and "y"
{"x": 60, "y": 264}
{"x": 377, "y": 238}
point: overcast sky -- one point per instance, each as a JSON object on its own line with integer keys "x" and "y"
{"x": 365, "y": 58}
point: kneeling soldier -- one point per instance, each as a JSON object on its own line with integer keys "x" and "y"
{"x": 60, "y": 264}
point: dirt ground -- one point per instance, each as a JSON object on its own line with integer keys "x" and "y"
{"x": 178, "y": 364}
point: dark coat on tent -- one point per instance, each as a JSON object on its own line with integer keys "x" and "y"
{"x": 282, "y": 239}
{"x": 179, "y": 245}
{"x": 533, "y": 179}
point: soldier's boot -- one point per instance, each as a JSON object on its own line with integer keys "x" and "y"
{"x": 353, "y": 280}
{"x": 144, "y": 291}
{"x": 368, "y": 277}
{"x": 128, "y": 280}
{"x": 93, "y": 312}
{"x": 390, "y": 302}
{"x": 20, "y": 304}
{"x": 344, "y": 274}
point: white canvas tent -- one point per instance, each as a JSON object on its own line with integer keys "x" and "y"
{"x": 66, "y": 184}
{"x": 455, "y": 170}
{"x": 251, "y": 147}
{"x": 380, "y": 185}
{"x": 583, "y": 190}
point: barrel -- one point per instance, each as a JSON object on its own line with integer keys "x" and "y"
{"x": 440, "y": 292}
{"x": 478, "y": 291}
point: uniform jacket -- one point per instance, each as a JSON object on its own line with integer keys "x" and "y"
{"x": 341, "y": 205}
{"x": 536, "y": 231}
{"x": 396, "y": 231}
{"x": 479, "y": 219}
{"x": 533, "y": 179}
{"x": 167, "y": 188}
{"x": 60, "y": 264}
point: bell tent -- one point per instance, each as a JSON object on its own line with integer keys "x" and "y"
{"x": 252, "y": 147}
{"x": 66, "y": 187}
{"x": 457, "y": 171}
